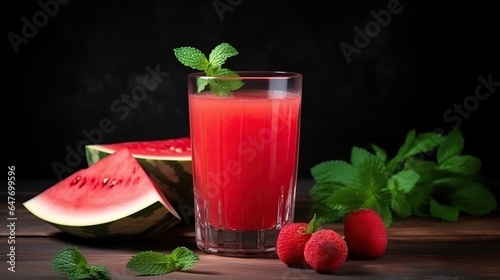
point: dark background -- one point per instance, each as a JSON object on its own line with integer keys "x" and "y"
{"x": 428, "y": 58}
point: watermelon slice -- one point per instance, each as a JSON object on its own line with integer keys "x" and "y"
{"x": 167, "y": 162}
{"x": 113, "y": 198}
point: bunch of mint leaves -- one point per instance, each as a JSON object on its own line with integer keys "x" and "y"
{"x": 428, "y": 177}
{"x": 71, "y": 262}
{"x": 212, "y": 66}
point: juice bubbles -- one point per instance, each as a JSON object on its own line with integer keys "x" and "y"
{"x": 245, "y": 152}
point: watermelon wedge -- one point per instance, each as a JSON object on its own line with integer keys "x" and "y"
{"x": 167, "y": 162}
{"x": 114, "y": 198}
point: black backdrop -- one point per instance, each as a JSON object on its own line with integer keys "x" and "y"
{"x": 68, "y": 61}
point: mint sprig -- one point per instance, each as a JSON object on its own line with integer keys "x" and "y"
{"x": 212, "y": 66}
{"x": 71, "y": 262}
{"x": 427, "y": 177}
{"x": 156, "y": 263}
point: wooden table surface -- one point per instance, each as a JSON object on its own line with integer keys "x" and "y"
{"x": 417, "y": 249}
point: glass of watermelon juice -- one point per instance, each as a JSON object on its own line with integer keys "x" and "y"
{"x": 245, "y": 155}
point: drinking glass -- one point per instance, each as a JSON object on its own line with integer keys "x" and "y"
{"x": 245, "y": 155}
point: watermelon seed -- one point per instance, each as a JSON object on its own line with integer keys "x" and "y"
{"x": 83, "y": 183}
{"x": 105, "y": 180}
{"x": 176, "y": 149}
{"x": 113, "y": 183}
{"x": 136, "y": 180}
{"x": 75, "y": 181}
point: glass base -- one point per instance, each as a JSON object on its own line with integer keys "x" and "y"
{"x": 255, "y": 243}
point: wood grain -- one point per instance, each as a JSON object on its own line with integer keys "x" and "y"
{"x": 418, "y": 248}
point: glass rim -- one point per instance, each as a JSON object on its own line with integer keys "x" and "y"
{"x": 251, "y": 75}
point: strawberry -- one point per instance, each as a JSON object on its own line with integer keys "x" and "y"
{"x": 365, "y": 234}
{"x": 290, "y": 244}
{"x": 292, "y": 240}
{"x": 325, "y": 251}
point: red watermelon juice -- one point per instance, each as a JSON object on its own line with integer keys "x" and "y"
{"x": 245, "y": 152}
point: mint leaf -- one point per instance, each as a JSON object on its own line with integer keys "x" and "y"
{"x": 399, "y": 185}
{"x": 451, "y": 146}
{"x": 444, "y": 212}
{"x": 71, "y": 262}
{"x": 474, "y": 199}
{"x": 327, "y": 212}
{"x": 358, "y": 155}
{"x": 420, "y": 166}
{"x": 403, "y": 150}
{"x": 99, "y": 272}
{"x": 372, "y": 174}
{"x": 461, "y": 165}
{"x": 400, "y": 204}
{"x": 183, "y": 258}
{"x": 192, "y": 57}
{"x": 226, "y": 73}
{"x": 348, "y": 198}
{"x": 323, "y": 211}
{"x": 229, "y": 84}
{"x": 220, "y": 53}
{"x": 370, "y": 193}
{"x": 454, "y": 181}
{"x": 201, "y": 84}
{"x": 195, "y": 59}
{"x": 320, "y": 191}
{"x": 81, "y": 275}
{"x": 419, "y": 198}
{"x": 335, "y": 171}
{"x": 68, "y": 260}
{"x": 224, "y": 85}
{"x": 404, "y": 181}
{"x": 150, "y": 263}
{"x": 156, "y": 263}
{"x": 379, "y": 152}
{"x": 424, "y": 142}
{"x": 415, "y": 144}
{"x": 344, "y": 200}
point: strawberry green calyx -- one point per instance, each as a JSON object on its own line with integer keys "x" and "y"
{"x": 313, "y": 226}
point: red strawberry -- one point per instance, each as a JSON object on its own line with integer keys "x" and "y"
{"x": 292, "y": 240}
{"x": 290, "y": 244}
{"x": 365, "y": 234}
{"x": 325, "y": 251}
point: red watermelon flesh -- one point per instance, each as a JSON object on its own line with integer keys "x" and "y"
{"x": 113, "y": 188}
{"x": 171, "y": 149}
{"x": 168, "y": 164}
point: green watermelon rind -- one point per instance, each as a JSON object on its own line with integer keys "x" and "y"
{"x": 150, "y": 221}
{"x": 172, "y": 177}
